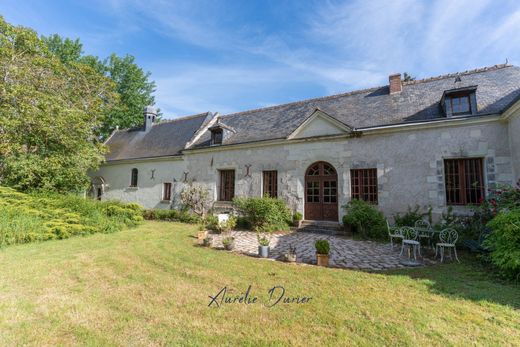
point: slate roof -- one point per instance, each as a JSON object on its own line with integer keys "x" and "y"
{"x": 497, "y": 87}
{"x": 163, "y": 139}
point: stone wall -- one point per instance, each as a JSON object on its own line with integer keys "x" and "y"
{"x": 410, "y": 166}
{"x": 152, "y": 175}
{"x": 514, "y": 138}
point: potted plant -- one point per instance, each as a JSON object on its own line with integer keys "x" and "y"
{"x": 207, "y": 241}
{"x": 297, "y": 218}
{"x": 322, "y": 252}
{"x": 263, "y": 245}
{"x": 228, "y": 243}
{"x": 290, "y": 256}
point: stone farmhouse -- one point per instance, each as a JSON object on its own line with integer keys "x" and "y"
{"x": 434, "y": 142}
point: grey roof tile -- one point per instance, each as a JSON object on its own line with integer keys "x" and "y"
{"x": 497, "y": 87}
{"x": 163, "y": 139}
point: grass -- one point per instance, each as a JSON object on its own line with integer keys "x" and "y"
{"x": 151, "y": 286}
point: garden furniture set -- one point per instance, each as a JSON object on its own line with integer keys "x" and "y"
{"x": 411, "y": 239}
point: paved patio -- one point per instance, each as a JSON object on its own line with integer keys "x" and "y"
{"x": 345, "y": 252}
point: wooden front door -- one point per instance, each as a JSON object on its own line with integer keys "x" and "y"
{"x": 321, "y": 192}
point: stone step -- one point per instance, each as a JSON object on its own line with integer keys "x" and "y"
{"x": 321, "y": 227}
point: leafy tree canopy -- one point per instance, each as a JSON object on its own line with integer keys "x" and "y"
{"x": 132, "y": 83}
{"x": 50, "y": 109}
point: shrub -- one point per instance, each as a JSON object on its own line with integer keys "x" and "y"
{"x": 370, "y": 223}
{"x": 322, "y": 246}
{"x": 211, "y": 222}
{"x": 411, "y": 216}
{"x": 264, "y": 214}
{"x": 504, "y": 242}
{"x": 45, "y": 216}
{"x": 171, "y": 216}
{"x": 297, "y": 216}
{"x": 227, "y": 225}
{"x": 196, "y": 198}
{"x": 243, "y": 223}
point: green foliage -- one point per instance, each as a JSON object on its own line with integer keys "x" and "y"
{"x": 133, "y": 85}
{"x": 369, "y": 222}
{"x": 211, "y": 222}
{"x": 322, "y": 246}
{"x": 228, "y": 241}
{"x": 504, "y": 242}
{"x": 243, "y": 223}
{"x": 264, "y": 214}
{"x": 38, "y": 217}
{"x": 50, "y": 113}
{"x": 263, "y": 239}
{"x": 171, "y": 216}
{"x": 411, "y": 216}
{"x": 297, "y": 216}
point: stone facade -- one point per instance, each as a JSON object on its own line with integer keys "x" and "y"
{"x": 514, "y": 138}
{"x": 409, "y": 162}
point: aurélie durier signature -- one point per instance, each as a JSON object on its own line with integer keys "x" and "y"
{"x": 276, "y": 295}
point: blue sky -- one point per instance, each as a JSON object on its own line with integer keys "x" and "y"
{"x": 230, "y": 56}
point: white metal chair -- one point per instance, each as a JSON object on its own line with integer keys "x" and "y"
{"x": 410, "y": 236}
{"x": 425, "y": 231}
{"x": 448, "y": 238}
{"x": 393, "y": 233}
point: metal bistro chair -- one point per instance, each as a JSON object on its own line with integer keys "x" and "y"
{"x": 425, "y": 231}
{"x": 393, "y": 233}
{"x": 410, "y": 236}
{"x": 448, "y": 238}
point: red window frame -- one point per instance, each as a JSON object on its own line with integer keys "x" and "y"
{"x": 364, "y": 185}
{"x": 464, "y": 181}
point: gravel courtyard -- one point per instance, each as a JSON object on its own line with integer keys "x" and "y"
{"x": 345, "y": 252}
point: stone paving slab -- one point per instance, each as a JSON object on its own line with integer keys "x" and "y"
{"x": 345, "y": 252}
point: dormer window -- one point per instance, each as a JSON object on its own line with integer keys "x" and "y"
{"x": 460, "y": 102}
{"x": 217, "y": 135}
{"x": 220, "y": 132}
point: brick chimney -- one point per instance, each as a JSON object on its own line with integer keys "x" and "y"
{"x": 395, "y": 83}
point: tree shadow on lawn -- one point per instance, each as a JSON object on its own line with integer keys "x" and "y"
{"x": 470, "y": 280}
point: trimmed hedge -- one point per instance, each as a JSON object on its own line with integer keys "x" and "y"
{"x": 38, "y": 217}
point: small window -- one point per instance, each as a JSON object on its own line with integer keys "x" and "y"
{"x": 167, "y": 191}
{"x": 216, "y": 136}
{"x": 270, "y": 187}
{"x": 460, "y": 104}
{"x": 133, "y": 179}
{"x": 227, "y": 185}
{"x": 464, "y": 181}
{"x": 364, "y": 185}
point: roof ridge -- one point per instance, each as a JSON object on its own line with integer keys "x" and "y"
{"x": 455, "y": 74}
{"x": 172, "y": 120}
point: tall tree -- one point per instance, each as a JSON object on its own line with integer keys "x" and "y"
{"x": 133, "y": 84}
{"x": 135, "y": 91}
{"x": 49, "y": 113}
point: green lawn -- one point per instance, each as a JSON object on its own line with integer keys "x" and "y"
{"x": 151, "y": 285}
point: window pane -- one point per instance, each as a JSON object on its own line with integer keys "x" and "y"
{"x": 364, "y": 185}
{"x": 464, "y": 181}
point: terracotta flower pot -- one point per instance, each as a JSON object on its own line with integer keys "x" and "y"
{"x": 322, "y": 259}
{"x": 201, "y": 235}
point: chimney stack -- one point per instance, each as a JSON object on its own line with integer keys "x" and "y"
{"x": 149, "y": 117}
{"x": 395, "y": 83}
